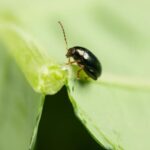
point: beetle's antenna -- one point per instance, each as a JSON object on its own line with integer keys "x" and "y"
{"x": 63, "y": 30}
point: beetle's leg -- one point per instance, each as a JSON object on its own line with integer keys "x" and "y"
{"x": 78, "y": 73}
{"x": 70, "y": 62}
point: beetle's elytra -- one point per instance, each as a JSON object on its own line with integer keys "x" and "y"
{"x": 85, "y": 59}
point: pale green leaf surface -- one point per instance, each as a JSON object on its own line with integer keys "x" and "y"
{"x": 42, "y": 74}
{"x": 20, "y": 106}
{"x": 115, "y": 109}
{"x": 116, "y": 113}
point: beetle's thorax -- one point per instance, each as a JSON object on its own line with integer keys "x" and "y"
{"x": 75, "y": 53}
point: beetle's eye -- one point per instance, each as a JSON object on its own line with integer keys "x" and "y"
{"x": 70, "y": 52}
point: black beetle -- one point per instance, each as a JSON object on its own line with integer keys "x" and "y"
{"x": 85, "y": 59}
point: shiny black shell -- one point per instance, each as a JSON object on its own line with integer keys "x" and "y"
{"x": 86, "y": 60}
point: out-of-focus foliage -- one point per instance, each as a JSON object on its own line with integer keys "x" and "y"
{"x": 44, "y": 75}
{"x": 116, "y": 108}
{"x": 20, "y": 106}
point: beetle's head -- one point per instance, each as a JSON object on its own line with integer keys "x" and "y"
{"x": 71, "y": 52}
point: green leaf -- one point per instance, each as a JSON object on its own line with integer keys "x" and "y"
{"x": 44, "y": 75}
{"x": 115, "y": 109}
{"x": 20, "y": 106}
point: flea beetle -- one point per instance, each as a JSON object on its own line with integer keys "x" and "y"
{"x": 84, "y": 58}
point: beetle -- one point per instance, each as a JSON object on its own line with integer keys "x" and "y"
{"x": 84, "y": 58}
